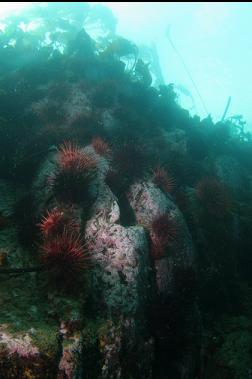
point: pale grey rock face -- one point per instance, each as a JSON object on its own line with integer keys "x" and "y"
{"x": 76, "y": 104}
{"x": 109, "y": 123}
{"x": 176, "y": 140}
{"x": 121, "y": 254}
{"x": 149, "y": 202}
{"x": 120, "y": 283}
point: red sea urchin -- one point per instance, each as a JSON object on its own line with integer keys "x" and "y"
{"x": 70, "y": 181}
{"x": 51, "y": 223}
{"x": 163, "y": 180}
{"x": 72, "y": 158}
{"x": 163, "y": 232}
{"x": 56, "y": 220}
{"x": 64, "y": 256}
{"x": 100, "y": 146}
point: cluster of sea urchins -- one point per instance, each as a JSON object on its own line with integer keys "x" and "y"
{"x": 63, "y": 252}
{"x": 75, "y": 168}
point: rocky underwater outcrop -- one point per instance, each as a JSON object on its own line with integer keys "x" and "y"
{"x": 124, "y": 222}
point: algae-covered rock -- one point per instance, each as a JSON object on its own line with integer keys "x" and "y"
{"x": 148, "y": 203}
{"x": 125, "y": 223}
{"x": 230, "y": 349}
{"x": 29, "y": 353}
{"x": 230, "y": 172}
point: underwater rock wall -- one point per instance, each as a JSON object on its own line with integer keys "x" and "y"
{"x": 124, "y": 222}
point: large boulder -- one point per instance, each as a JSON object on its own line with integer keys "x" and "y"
{"x": 174, "y": 313}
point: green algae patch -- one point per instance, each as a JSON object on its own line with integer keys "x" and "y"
{"x": 93, "y": 330}
{"x": 31, "y": 354}
{"x": 46, "y": 338}
{"x": 233, "y": 356}
{"x": 235, "y": 351}
{"x": 43, "y": 336}
{"x": 91, "y": 339}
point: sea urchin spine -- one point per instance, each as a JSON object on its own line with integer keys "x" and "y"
{"x": 162, "y": 179}
{"x": 57, "y": 220}
{"x": 72, "y": 158}
{"x": 100, "y": 146}
{"x": 71, "y": 179}
{"x": 163, "y": 232}
{"x": 65, "y": 255}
